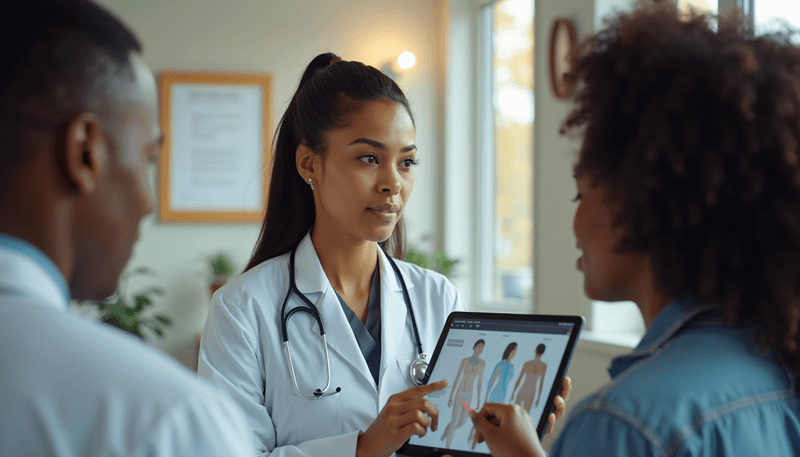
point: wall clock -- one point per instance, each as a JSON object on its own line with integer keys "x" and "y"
{"x": 562, "y": 42}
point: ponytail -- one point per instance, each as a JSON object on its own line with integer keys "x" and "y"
{"x": 330, "y": 92}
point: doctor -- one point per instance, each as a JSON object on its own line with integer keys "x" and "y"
{"x": 343, "y": 172}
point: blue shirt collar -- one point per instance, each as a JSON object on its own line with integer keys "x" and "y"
{"x": 664, "y": 327}
{"x": 30, "y": 251}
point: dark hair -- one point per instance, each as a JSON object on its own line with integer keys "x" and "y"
{"x": 330, "y": 92}
{"x": 480, "y": 341}
{"x": 59, "y": 58}
{"x": 694, "y": 134}
{"x": 540, "y": 349}
{"x": 508, "y": 350}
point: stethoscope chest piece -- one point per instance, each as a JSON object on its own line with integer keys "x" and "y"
{"x": 417, "y": 370}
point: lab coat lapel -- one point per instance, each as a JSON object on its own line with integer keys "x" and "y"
{"x": 310, "y": 278}
{"x": 395, "y": 322}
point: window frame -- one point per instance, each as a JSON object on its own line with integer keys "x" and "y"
{"x": 486, "y": 268}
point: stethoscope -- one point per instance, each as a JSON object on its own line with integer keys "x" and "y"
{"x": 416, "y": 370}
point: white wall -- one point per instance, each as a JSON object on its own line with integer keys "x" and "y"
{"x": 277, "y": 37}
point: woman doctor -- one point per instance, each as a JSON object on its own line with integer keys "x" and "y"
{"x": 342, "y": 174}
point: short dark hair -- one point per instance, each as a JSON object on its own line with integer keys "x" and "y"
{"x": 540, "y": 349}
{"x": 59, "y": 58}
{"x": 330, "y": 92}
{"x": 694, "y": 133}
{"x": 480, "y": 341}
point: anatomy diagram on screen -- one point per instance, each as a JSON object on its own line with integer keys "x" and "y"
{"x": 502, "y": 373}
{"x": 533, "y": 371}
{"x": 470, "y": 369}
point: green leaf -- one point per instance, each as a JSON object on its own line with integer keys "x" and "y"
{"x": 418, "y": 258}
{"x": 142, "y": 301}
{"x": 445, "y": 264}
{"x": 158, "y": 332}
{"x": 164, "y": 320}
{"x": 222, "y": 266}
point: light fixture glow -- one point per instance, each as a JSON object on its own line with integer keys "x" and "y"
{"x": 406, "y": 60}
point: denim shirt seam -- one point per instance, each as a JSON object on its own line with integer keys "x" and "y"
{"x": 619, "y": 413}
{"x": 673, "y": 329}
{"x": 652, "y": 357}
{"x": 721, "y": 411}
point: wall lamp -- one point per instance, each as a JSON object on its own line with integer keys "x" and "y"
{"x": 402, "y": 65}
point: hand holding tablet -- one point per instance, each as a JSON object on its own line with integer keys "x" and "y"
{"x": 504, "y": 359}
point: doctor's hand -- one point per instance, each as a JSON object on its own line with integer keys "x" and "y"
{"x": 508, "y": 430}
{"x": 405, "y": 414}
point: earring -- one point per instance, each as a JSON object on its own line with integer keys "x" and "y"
{"x": 311, "y": 183}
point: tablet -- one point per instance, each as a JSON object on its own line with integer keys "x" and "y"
{"x": 499, "y": 358}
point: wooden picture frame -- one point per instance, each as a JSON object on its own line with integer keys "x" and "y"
{"x": 214, "y": 166}
{"x": 562, "y": 41}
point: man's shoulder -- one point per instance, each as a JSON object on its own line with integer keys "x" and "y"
{"x": 85, "y": 371}
{"x": 74, "y": 350}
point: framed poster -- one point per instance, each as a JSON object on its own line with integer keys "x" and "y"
{"x": 216, "y": 155}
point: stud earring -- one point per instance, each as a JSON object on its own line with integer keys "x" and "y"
{"x": 311, "y": 183}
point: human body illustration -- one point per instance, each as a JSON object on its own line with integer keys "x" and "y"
{"x": 533, "y": 371}
{"x": 503, "y": 372}
{"x": 470, "y": 369}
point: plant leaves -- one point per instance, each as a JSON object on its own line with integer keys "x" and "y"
{"x": 418, "y": 258}
{"x": 164, "y": 320}
{"x": 142, "y": 301}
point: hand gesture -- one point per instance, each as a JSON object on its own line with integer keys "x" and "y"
{"x": 404, "y": 415}
{"x": 508, "y": 430}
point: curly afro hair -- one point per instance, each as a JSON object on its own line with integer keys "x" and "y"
{"x": 695, "y": 135}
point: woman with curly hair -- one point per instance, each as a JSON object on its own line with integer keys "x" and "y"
{"x": 688, "y": 183}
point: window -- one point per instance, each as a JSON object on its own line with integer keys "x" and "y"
{"x": 769, "y": 15}
{"x": 706, "y": 6}
{"x": 506, "y": 154}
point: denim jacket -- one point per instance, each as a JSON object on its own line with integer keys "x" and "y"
{"x": 695, "y": 386}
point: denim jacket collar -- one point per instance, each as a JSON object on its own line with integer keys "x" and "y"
{"x": 665, "y": 326}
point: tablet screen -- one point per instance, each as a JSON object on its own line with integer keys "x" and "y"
{"x": 499, "y": 358}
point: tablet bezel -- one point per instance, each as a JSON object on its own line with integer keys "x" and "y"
{"x": 416, "y": 450}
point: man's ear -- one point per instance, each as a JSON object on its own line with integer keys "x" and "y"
{"x": 307, "y": 163}
{"x": 85, "y": 153}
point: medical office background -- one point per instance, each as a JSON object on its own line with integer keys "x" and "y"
{"x": 494, "y": 189}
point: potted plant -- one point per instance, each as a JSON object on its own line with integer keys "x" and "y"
{"x": 438, "y": 262}
{"x": 221, "y": 270}
{"x": 128, "y": 315}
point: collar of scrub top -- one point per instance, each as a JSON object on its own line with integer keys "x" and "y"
{"x": 312, "y": 280}
{"x": 26, "y": 270}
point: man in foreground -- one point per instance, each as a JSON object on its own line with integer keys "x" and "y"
{"x": 78, "y": 126}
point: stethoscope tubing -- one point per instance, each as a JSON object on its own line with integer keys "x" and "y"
{"x": 311, "y": 309}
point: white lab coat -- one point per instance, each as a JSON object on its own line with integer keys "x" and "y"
{"x": 242, "y": 352}
{"x": 73, "y": 387}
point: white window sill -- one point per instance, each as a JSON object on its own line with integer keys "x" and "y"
{"x": 608, "y": 344}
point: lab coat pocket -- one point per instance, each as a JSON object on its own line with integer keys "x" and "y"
{"x": 318, "y": 418}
